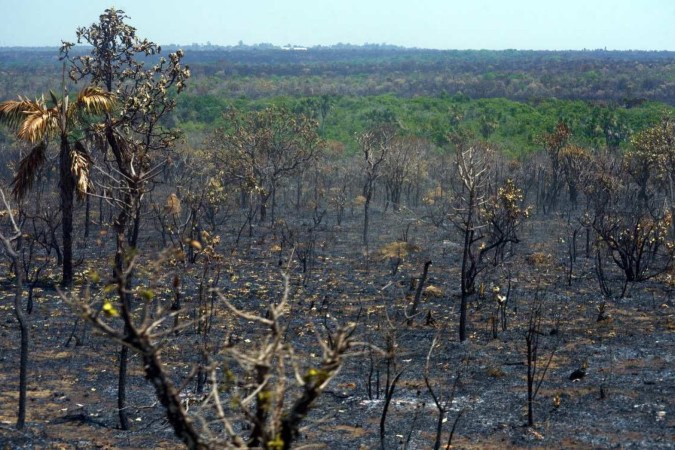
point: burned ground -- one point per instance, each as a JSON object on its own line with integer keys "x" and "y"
{"x": 625, "y": 399}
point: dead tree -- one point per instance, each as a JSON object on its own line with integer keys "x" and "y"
{"x": 9, "y": 246}
{"x": 632, "y": 233}
{"x": 441, "y": 401}
{"x": 375, "y": 146}
{"x": 472, "y": 169}
{"x": 418, "y": 293}
{"x": 259, "y": 149}
{"x": 261, "y": 403}
{"x": 133, "y": 137}
{"x": 535, "y": 372}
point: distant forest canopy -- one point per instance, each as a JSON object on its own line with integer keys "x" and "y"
{"x": 266, "y": 71}
{"x": 507, "y": 97}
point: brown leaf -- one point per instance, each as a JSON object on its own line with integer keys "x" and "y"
{"x": 28, "y": 168}
{"x": 80, "y": 163}
{"x": 172, "y": 204}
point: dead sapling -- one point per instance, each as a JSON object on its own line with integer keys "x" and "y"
{"x": 378, "y": 358}
{"x": 535, "y": 373}
{"x": 419, "y": 407}
{"x": 575, "y": 228}
{"x": 9, "y": 246}
{"x": 390, "y": 366}
{"x": 498, "y": 316}
{"x": 601, "y": 276}
{"x": 442, "y": 401}
{"x": 418, "y": 294}
{"x": 32, "y": 264}
{"x": 205, "y": 309}
{"x": 388, "y": 395}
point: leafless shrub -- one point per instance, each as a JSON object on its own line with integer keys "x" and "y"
{"x": 9, "y": 246}
{"x": 442, "y": 400}
{"x": 535, "y": 372}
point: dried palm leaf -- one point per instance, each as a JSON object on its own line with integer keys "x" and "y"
{"x": 28, "y": 168}
{"x": 13, "y": 112}
{"x": 80, "y": 163}
{"x": 94, "y": 100}
{"x": 39, "y": 124}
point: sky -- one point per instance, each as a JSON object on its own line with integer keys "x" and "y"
{"x": 438, "y": 24}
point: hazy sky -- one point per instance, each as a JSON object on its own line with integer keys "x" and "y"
{"x": 443, "y": 24}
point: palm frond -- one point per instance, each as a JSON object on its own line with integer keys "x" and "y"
{"x": 54, "y": 98}
{"x": 80, "y": 163}
{"x": 13, "y": 112}
{"x": 38, "y": 124}
{"x": 28, "y": 168}
{"x": 94, "y": 100}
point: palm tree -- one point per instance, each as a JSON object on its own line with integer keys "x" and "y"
{"x": 36, "y": 122}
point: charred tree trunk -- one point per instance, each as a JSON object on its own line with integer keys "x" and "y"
{"x": 87, "y": 215}
{"x": 25, "y": 335}
{"x": 366, "y": 219}
{"x": 66, "y": 191}
{"x": 418, "y": 293}
{"x": 263, "y": 206}
{"x": 466, "y": 282}
{"x": 120, "y": 226}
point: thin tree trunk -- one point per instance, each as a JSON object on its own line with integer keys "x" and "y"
{"x": 100, "y": 210}
{"x": 298, "y": 192}
{"x": 263, "y": 207}
{"x": 418, "y": 293}
{"x": 120, "y": 227}
{"x": 87, "y": 215}
{"x": 25, "y": 330}
{"x": 122, "y": 387}
{"x": 274, "y": 205}
{"x": 168, "y": 396}
{"x": 464, "y": 281}
{"x": 366, "y": 218}
{"x": 530, "y": 382}
{"x": 66, "y": 191}
{"x": 672, "y": 202}
{"x": 24, "y": 327}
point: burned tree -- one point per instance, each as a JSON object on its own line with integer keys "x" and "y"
{"x": 375, "y": 145}
{"x": 39, "y": 121}
{"x": 9, "y": 246}
{"x": 133, "y": 139}
{"x": 504, "y": 214}
{"x": 473, "y": 172}
{"x": 259, "y": 149}
{"x": 651, "y": 160}
{"x": 575, "y": 166}
{"x": 633, "y": 232}
{"x": 401, "y": 164}
{"x": 551, "y": 181}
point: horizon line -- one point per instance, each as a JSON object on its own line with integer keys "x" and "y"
{"x": 340, "y": 45}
